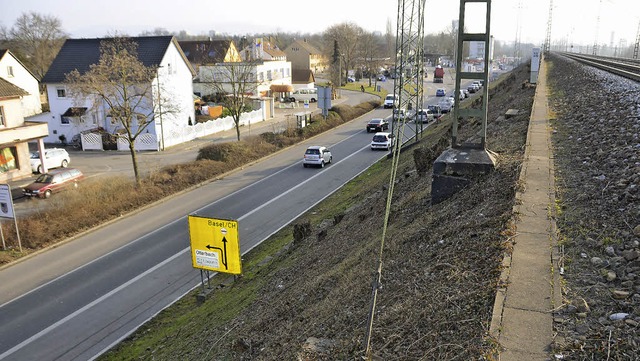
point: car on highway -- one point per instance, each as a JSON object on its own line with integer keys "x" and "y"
{"x": 317, "y": 155}
{"x": 389, "y": 101}
{"x": 426, "y": 115}
{"x": 445, "y": 106}
{"x": 440, "y": 92}
{"x": 399, "y": 113}
{"x": 382, "y": 140}
{"x": 472, "y": 88}
{"x": 377, "y": 125}
{"x": 53, "y": 158}
{"x": 53, "y": 182}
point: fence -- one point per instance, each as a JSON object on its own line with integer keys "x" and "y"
{"x": 148, "y": 141}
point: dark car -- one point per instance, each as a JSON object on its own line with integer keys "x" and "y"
{"x": 377, "y": 125}
{"x": 53, "y": 182}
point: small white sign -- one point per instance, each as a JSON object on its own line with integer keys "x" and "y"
{"x": 6, "y": 202}
{"x": 207, "y": 259}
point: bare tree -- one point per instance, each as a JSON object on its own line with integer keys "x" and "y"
{"x": 370, "y": 54}
{"x": 347, "y": 37}
{"x": 390, "y": 40}
{"x": 36, "y": 40}
{"x": 232, "y": 83}
{"x": 125, "y": 87}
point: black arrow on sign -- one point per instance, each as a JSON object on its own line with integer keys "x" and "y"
{"x": 223, "y": 251}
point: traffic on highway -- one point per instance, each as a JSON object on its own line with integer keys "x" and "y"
{"x": 77, "y": 300}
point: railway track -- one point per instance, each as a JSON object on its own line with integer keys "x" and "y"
{"x": 628, "y": 68}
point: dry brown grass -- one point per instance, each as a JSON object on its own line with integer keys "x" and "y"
{"x": 101, "y": 200}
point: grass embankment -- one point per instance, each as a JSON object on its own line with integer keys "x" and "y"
{"x": 309, "y": 279}
{"x": 98, "y": 201}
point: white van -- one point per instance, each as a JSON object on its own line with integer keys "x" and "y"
{"x": 305, "y": 94}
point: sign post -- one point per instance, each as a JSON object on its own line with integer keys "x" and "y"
{"x": 7, "y": 211}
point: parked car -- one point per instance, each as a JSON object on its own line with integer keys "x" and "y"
{"x": 440, "y": 92}
{"x": 377, "y": 125}
{"x": 317, "y": 155}
{"x": 382, "y": 140}
{"x": 53, "y": 158}
{"x": 351, "y": 79}
{"x": 473, "y": 88}
{"x": 305, "y": 94}
{"x": 382, "y": 77}
{"x": 53, "y": 182}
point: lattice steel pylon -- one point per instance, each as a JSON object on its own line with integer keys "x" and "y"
{"x": 637, "y": 45}
{"x": 408, "y": 86}
{"x": 463, "y": 37}
{"x": 547, "y": 40}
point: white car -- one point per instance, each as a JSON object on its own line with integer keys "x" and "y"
{"x": 390, "y": 101}
{"x": 382, "y": 140}
{"x": 53, "y": 158}
{"x": 317, "y": 155}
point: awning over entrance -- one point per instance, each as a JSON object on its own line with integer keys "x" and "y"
{"x": 75, "y": 112}
{"x": 281, "y": 88}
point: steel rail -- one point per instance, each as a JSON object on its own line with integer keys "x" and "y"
{"x": 626, "y": 70}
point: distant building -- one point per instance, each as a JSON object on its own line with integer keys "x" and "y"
{"x": 303, "y": 55}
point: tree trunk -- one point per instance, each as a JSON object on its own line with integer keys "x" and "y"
{"x": 237, "y": 121}
{"x": 134, "y": 161}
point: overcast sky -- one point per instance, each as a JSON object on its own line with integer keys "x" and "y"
{"x": 581, "y": 21}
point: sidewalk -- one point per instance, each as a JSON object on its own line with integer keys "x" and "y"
{"x": 529, "y": 289}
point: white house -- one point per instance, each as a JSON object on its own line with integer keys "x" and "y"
{"x": 261, "y": 77}
{"x": 13, "y": 71}
{"x": 70, "y": 116}
{"x": 16, "y": 133}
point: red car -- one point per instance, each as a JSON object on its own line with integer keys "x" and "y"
{"x": 53, "y": 182}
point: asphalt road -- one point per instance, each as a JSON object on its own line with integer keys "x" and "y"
{"x": 80, "y": 298}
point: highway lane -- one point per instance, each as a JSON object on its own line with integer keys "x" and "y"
{"x": 77, "y": 300}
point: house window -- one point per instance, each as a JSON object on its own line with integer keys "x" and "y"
{"x": 65, "y": 120}
{"x": 8, "y": 159}
{"x": 10, "y": 71}
{"x": 269, "y": 75}
{"x": 2, "y": 121}
{"x": 61, "y": 92}
{"x": 261, "y": 77}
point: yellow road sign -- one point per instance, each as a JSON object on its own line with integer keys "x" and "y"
{"x": 215, "y": 244}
